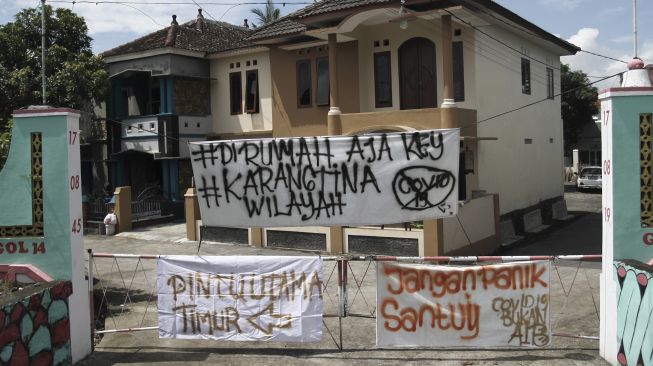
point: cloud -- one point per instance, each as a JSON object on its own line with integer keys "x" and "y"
{"x": 563, "y": 5}
{"x": 106, "y": 19}
{"x": 588, "y": 39}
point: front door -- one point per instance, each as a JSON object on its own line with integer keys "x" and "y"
{"x": 417, "y": 76}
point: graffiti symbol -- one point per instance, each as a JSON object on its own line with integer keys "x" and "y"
{"x": 422, "y": 187}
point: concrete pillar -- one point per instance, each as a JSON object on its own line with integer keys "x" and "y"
{"x": 334, "y": 128}
{"x": 333, "y": 72}
{"x": 334, "y": 123}
{"x": 192, "y": 211}
{"x": 256, "y": 237}
{"x": 448, "y": 103}
{"x": 336, "y": 240}
{"x": 123, "y": 209}
{"x": 433, "y": 229}
{"x": 433, "y": 243}
{"x": 447, "y": 57}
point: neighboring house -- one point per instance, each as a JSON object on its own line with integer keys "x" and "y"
{"x": 397, "y": 66}
{"x": 161, "y": 97}
{"x": 587, "y": 151}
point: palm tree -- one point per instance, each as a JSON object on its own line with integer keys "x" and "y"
{"x": 268, "y": 14}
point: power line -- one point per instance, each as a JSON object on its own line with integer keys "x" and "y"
{"x": 538, "y": 36}
{"x": 542, "y": 100}
{"x": 207, "y": 13}
{"x": 607, "y": 57}
{"x": 500, "y": 41}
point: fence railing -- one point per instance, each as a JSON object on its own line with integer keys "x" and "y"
{"x": 145, "y": 209}
{"x": 124, "y": 289}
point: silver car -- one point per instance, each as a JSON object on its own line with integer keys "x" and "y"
{"x": 589, "y": 178}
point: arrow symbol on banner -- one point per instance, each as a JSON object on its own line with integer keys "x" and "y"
{"x": 285, "y": 322}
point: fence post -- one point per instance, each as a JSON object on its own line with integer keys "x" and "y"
{"x": 192, "y": 210}
{"x": 123, "y": 209}
{"x": 342, "y": 288}
{"x": 90, "y": 296}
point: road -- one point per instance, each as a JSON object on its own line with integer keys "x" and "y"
{"x": 581, "y": 235}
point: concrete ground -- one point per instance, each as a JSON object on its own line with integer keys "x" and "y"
{"x": 574, "y": 304}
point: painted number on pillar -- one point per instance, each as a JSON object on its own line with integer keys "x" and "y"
{"x": 606, "y": 117}
{"x": 606, "y": 167}
{"x": 72, "y": 137}
{"x": 74, "y": 182}
{"x": 77, "y": 226}
{"x": 607, "y": 214}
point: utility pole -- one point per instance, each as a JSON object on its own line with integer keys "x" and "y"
{"x": 635, "y": 28}
{"x": 43, "y": 50}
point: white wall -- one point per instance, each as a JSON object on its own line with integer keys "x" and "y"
{"x": 474, "y": 222}
{"x": 523, "y": 174}
{"x": 430, "y": 29}
{"x": 193, "y": 128}
{"x": 143, "y": 138}
{"x": 223, "y": 121}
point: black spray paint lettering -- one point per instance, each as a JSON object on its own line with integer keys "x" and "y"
{"x": 369, "y": 151}
{"x": 306, "y": 205}
{"x": 423, "y": 145}
{"x": 422, "y": 187}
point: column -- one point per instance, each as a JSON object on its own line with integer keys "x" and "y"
{"x": 334, "y": 128}
{"x": 334, "y": 124}
{"x": 447, "y": 75}
{"x": 192, "y": 210}
{"x": 433, "y": 229}
{"x": 123, "y": 208}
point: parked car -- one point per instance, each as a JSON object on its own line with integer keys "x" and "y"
{"x": 590, "y": 177}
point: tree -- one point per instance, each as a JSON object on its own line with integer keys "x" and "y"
{"x": 5, "y": 140}
{"x": 578, "y": 106}
{"x": 268, "y": 14}
{"x": 74, "y": 76}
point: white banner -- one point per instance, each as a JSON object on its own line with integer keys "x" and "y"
{"x": 502, "y": 305}
{"x": 256, "y": 298}
{"x": 326, "y": 181}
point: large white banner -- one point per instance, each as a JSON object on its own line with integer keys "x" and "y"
{"x": 502, "y": 305}
{"x": 355, "y": 180}
{"x": 242, "y": 298}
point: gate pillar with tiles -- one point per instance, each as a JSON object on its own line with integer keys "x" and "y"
{"x": 627, "y": 162}
{"x": 41, "y": 210}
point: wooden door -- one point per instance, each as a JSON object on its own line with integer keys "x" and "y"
{"x": 417, "y": 74}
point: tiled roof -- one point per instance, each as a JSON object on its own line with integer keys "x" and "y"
{"x": 282, "y": 26}
{"x": 289, "y": 24}
{"x": 327, "y": 6}
{"x": 292, "y": 24}
{"x": 214, "y": 37}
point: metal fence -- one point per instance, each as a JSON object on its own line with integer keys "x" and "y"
{"x": 124, "y": 288}
{"x": 146, "y": 209}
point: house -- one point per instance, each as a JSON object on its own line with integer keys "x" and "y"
{"x": 161, "y": 98}
{"x": 340, "y": 67}
{"x": 363, "y": 66}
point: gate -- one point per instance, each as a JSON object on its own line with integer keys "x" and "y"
{"x": 124, "y": 288}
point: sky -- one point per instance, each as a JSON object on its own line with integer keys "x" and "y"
{"x": 599, "y": 26}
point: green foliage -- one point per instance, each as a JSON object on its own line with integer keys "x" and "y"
{"x": 5, "y": 141}
{"x": 74, "y": 76}
{"x": 578, "y": 106}
{"x": 268, "y": 14}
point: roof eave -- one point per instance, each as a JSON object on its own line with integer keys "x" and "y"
{"x": 154, "y": 52}
{"x": 492, "y": 6}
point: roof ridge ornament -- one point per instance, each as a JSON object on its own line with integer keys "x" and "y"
{"x": 172, "y": 32}
{"x": 199, "y": 23}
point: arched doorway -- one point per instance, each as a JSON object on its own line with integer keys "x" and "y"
{"x": 417, "y": 74}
